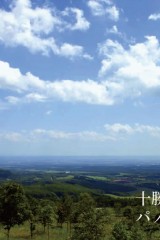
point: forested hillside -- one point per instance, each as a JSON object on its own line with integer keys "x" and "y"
{"x": 84, "y": 216}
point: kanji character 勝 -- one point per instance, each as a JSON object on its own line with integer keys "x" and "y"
{"x": 155, "y": 198}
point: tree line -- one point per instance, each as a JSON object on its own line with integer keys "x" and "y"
{"x": 83, "y": 218}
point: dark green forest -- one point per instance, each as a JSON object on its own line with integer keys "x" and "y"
{"x": 79, "y": 204}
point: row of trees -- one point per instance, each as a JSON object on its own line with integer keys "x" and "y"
{"x": 83, "y": 219}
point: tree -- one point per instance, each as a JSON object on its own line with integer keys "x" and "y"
{"x": 120, "y": 232}
{"x": 46, "y": 215}
{"x": 61, "y": 213}
{"x": 128, "y": 212}
{"x": 13, "y": 205}
{"x": 64, "y": 210}
{"x": 34, "y": 212}
{"x": 90, "y": 221}
{"x": 137, "y": 234}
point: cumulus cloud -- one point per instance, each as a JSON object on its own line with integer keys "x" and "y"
{"x": 12, "y": 100}
{"x": 73, "y": 51}
{"x": 81, "y": 22}
{"x": 112, "y": 132}
{"x": 31, "y": 88}
{"x": 125, "y": 73}
{"x": 114, "y": 30}
{"x": 134, "y": 71}
{"x": 12, "y": 136}
{"x": 113, "y": 13}
{"x": 48, "y": 135}
{"x": 104, "y": 7}
{"x": 35, "y": 97}
{"x": 81, "y": 91}
{"x": 118, "y": 129}
{"x": 51, "y": 134}
{"x": 31, "y": 28}
{"x": 12, "y": 79}
{"x": 154, "y": 17}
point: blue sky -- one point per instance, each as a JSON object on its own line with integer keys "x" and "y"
{"x": 79, "y": 77}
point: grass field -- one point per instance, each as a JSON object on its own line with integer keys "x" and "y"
{"x": 55, "y": 233}
{"x": 23, "y": 232}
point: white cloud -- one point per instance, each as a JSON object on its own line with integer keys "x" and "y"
{"x": 81, "y": 22}
{"x": 125, "y": 73}
{"x": 113, "y": 30}
{"x": 122, "y": 130}
{"x": 154, "y": 17}
{"x": 103, "y": 7}
{"x": 14, "y": 80}
{"x": 31, "y": 88}
{"x": 134, "y": 71}
{"x": 73, "y": 51}
{"x": 12, "y": 100}
{"x": 22, "y": 25}
{"x": 96, "y": 8}
{"x": 31, "y": 28}
{"x": 81, "y": 91}
{"x": 119, "y": 128}
{"x": 49, "y": 112}
{"x": 35, "y": 97}
{"x": 48, "y": 135}
{"x": 12, "y": 136}
{"x": 112, "y": 132}
{"x": 113, "y": 13}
